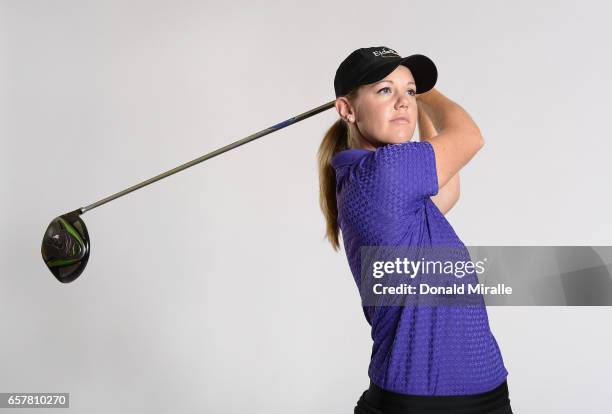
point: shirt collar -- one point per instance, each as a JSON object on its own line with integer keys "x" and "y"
{"x": 349, "y": 156}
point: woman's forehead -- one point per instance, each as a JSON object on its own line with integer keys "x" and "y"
{"x": 401, "y": 75}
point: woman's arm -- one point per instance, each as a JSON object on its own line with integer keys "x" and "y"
{"x": 449, "y": 194}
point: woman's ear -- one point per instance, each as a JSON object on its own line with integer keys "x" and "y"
{"x": 344, "y": 109}
{"x": 341, "y": 107}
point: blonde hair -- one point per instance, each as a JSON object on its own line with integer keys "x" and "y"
{"x": 339, "y": 137}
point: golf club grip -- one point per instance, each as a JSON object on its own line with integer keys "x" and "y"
{"x": 221, "y": 150}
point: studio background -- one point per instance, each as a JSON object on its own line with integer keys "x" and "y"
{"x": 213, "y": 290}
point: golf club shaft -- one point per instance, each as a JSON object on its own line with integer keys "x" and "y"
{"x": 212, "y": 154}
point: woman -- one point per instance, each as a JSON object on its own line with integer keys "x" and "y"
{"x": 382, "y": 189}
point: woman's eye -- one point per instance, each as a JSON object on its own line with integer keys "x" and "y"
{"x": 411, "y": 91}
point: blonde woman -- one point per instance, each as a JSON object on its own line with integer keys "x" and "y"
{"x": 380, "y": 188}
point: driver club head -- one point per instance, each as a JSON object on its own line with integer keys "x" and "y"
{"x": 65, "y": 246}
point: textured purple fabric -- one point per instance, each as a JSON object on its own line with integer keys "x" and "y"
{"x": 384, "y": 200}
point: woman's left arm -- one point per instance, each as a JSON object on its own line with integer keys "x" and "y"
{"x": 449, "y": 194}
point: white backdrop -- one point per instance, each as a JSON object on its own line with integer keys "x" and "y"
{"x": 213, "y": 290}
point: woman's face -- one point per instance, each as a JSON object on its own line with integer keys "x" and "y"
{"x": 378, "y": 104}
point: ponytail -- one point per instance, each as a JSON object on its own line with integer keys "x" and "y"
{"x": 339, "y": 137}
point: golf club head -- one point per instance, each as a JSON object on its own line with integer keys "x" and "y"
{"x": 65, "y": 246}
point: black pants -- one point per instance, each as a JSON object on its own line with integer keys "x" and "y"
{"x": 375, "y": 400}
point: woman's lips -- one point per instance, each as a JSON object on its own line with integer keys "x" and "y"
{"x": 400, "y": 120}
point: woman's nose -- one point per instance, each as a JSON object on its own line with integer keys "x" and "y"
{"x": 402, "y": 101}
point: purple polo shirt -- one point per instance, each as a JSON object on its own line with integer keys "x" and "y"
{"x": 383, "y": 199}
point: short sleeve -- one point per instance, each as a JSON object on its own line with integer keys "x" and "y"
{"x": 398, "y": 177}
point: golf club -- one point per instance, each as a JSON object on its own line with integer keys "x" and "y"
{"x": 66, "y": 245}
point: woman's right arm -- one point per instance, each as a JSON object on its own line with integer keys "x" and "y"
{"x": 458, "y": 139}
